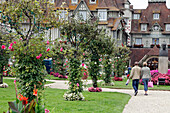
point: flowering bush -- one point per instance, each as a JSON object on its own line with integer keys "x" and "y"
{"x": 92, "y": 89}
{"x": 73, "y": 96}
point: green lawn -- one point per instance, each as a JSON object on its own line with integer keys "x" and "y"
{"x": 121, "y": 85}
{"x": 51, "y": 77}
{"x": 95, "y": 102}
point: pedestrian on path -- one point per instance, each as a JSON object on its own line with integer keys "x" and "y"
{"x": 146, "y": 76}
{"x": 135, "y": 76}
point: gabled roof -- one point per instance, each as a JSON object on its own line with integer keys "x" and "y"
{"x": 154, "y": 51}
{"x": 114, "y": 5}
{"x": 156, "y": 7}
{"x": 82, "y": 2}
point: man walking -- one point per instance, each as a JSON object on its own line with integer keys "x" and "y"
{"x": 135, "y": 76}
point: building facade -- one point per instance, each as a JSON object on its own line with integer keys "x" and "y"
{"x": 151, "y": 26}
{"x": 113, "y": 15}
{"x": 150, "y": 29}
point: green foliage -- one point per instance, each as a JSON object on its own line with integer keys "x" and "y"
{"x": 107, "y": 67}
{"x": 28, "y": 22}
{"x": 75, "y": 83}
{"x": 121, "y": 60}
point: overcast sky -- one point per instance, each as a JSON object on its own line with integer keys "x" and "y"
{"x": 142, "y": 4}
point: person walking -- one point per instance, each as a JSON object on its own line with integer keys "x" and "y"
{"x": 135, "y": 76}
{"x": 146, "y": 76}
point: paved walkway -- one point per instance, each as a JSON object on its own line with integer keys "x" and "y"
{"x": 155, "y": 102}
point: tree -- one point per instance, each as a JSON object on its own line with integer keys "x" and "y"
{"x": 109, "y": 51}
{"x": 121, "y": 60}
{"x": 28, "y": 45}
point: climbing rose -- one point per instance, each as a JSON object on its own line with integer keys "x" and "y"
{"x": 61, "y": 49}
{"x": 84, "y": 73}
{"x": 11, "y": 44}
{"x": 40, "y": 55}
{"x": 3, "y": 47}
{"x": 37, "y": 57}
{"x": 48, "y": 49}
{"x": 10, "y": 47}
{"x": 14, "y": 81}
{"x": 82, "y": 64}
{"x": 83, "y": 53}
{"x": 48, "y": 42}
{"x": 15, "y": 42}
{"x": 100, "y": 60}
{"x": 77, "y": 84}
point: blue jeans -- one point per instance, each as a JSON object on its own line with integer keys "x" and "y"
{"x": 145, "y": 81}
{"x": 135, "y": 84}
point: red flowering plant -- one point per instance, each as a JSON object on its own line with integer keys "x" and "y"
{"x": 21, "y": 104}
{"x": 60, "y": 63}
{"x": 29, "y": 22}
{"x": 3, "y": 59}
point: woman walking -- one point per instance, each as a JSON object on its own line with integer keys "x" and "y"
{"x": 146, "y": 76}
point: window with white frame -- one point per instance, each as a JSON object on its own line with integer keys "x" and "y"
{"x": 167, "y": 27}
{"x": 156, "y": 16}
{"x": 63, "y": 14}
{"x": 136, "y": 16}
{"x": 102, "y": 14}
{"x": 92, "y": 1}
{"x": 155, "y": 40}
{"x": 138, "y": 41}
{"x": 143, "y": 27}
{"x": 83, "y": 15}
{"x": 74, "y": 1}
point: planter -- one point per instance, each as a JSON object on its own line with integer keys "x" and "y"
{"x": 138, "y": 46}
{"x": 158, "y": 46}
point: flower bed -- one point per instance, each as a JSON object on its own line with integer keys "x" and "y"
{"x": 156, "y": 75}
{"x": 58, "y": 75}
{"x": 117, "y": 78}
{"x": 92, "y": 89}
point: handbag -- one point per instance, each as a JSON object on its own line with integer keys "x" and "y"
{"x": 127, "y": 82}
{"x": 150, "y": 84}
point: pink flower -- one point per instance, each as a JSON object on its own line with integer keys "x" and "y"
{"x": 78, "y": 85}
{"x": 84, "y": 73}
{"x": 48, "y": 49}
{"x": 48, "y": 42}
{"x": 83, "y": 53}
{"x": 20, "y": 38}
{"x": 15, "y": 42}
{"x": 70, "y": 83}
{"x": 37, "y": 57}
{"x": 40, "y": 55}
{"x": 64, "y": 63}
{"x": 100, "y": 60}
{"x": 11, "y": 44}
{"x": 47, "y": 111}
{"x": 14, "y": 81}
{"x": 82, "y": 64}
{"x": 66, "y": 66}
{"x": 86, "y": 66}
{"x": 10, "y": 47}
{"x": 3, "y": 47}
{"x": 61, "y": 49}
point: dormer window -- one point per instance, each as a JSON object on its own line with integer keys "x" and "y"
{"x": 156, "y": 16}
{"x": 92, "y": 1}
{"x": 143, "y": 27}
{"x": 74, "y": 1}
{"x": 167, "y": 27}
{"x": 136, "y": 16}
{"x": 102, "y": 14}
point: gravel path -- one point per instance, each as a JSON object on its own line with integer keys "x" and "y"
{"x": 155, "y": 102}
